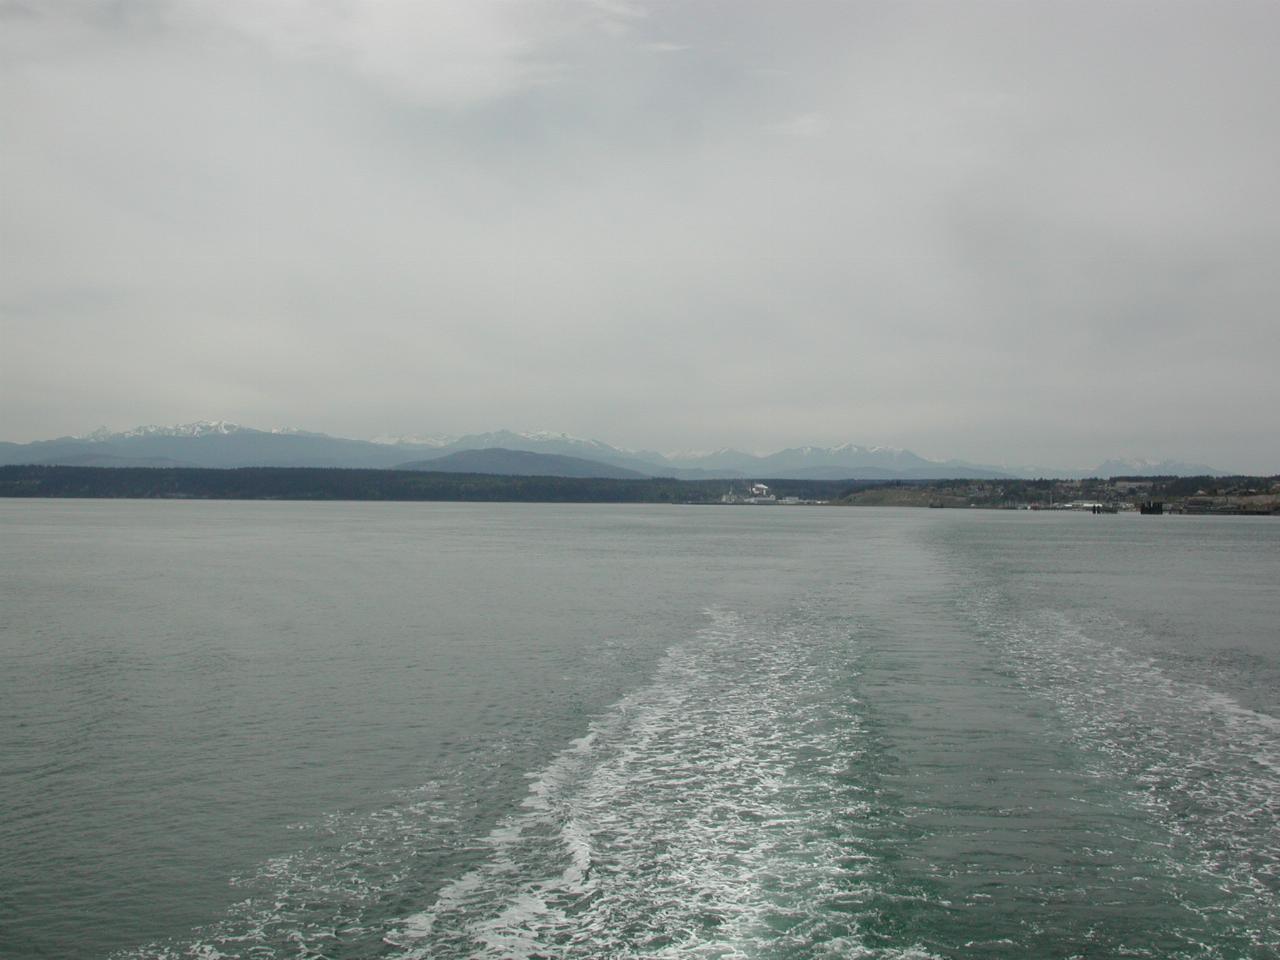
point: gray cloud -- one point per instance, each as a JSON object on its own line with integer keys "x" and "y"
{"x": 1023, "y": 233}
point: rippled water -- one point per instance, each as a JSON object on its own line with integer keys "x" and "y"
{"x": 430, "y": 730}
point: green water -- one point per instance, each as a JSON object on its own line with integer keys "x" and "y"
{"x": 440, "y": 730}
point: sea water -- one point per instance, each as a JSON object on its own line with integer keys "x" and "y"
{"x": 437, "y": 730}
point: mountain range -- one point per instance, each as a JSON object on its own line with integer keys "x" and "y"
{"x": 218, "y": 443}
{"x": 521, "y": 463}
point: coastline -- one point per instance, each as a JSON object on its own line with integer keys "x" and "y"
{"x": 1251, "y": 496}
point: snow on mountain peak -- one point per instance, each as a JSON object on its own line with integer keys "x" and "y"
{"x": 697, "y": 454}
{"x": 548, "y": 435}
{"x": 568, "y": 439}
{"x": 851, "y": 447}
{"x": 413, "y": 440}
{"x": 199, "y": 428}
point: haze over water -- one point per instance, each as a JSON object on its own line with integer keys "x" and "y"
{"x": 439, "y": 730}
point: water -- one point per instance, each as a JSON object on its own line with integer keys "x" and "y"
{"x": 440, "y": 730}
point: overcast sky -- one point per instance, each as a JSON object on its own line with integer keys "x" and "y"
{"x": 1013, "y": 232}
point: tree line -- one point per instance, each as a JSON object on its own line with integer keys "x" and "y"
{"x": 320, "y": 483}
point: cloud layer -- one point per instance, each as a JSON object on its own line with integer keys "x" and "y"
{"x": 1009, "y": 232}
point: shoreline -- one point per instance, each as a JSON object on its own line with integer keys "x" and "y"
{"x": 1247, "y": 496}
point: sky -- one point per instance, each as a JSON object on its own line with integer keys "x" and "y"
{"x": 1033, "y": 232}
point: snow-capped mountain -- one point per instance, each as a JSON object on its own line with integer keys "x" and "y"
{"x": 205, "y": 443}
{"x": 845, "y": 461}
{"x": 413, "y": 440}
{"x": 675, "y": 456}
{"x": 539, "y": 441}
{"x": 222, "y": 443}
{"x": 200, "y": 428}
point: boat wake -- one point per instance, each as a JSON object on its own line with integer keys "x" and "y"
{"x": 1195, "y": 762}
{"x": 704, "y": 816}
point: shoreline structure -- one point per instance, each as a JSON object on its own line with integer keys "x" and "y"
{"x": 1252, "y": 496}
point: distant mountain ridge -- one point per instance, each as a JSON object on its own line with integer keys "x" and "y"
{"x": 221, "y": 443}
{"x": 206, "y": 443}
{"x": 200, "y": 428}
{"x": 1153, "y": 468}
{"x": 521, "y": 463}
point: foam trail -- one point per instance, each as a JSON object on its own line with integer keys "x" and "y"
{"x": 697, "y": 819}
{"x": 318, "y": 901}
{"x": 1204, "y": 767}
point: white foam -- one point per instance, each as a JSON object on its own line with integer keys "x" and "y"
{"x": 696, "y": 819}
{"x": 1200, "y": 764}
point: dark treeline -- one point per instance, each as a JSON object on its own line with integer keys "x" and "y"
{"x": 313, "y": 483}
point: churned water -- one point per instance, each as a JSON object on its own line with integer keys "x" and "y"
{"x": 426, "y": 730}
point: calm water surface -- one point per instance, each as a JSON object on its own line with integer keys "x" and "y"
{"x": 434, "y": 730}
